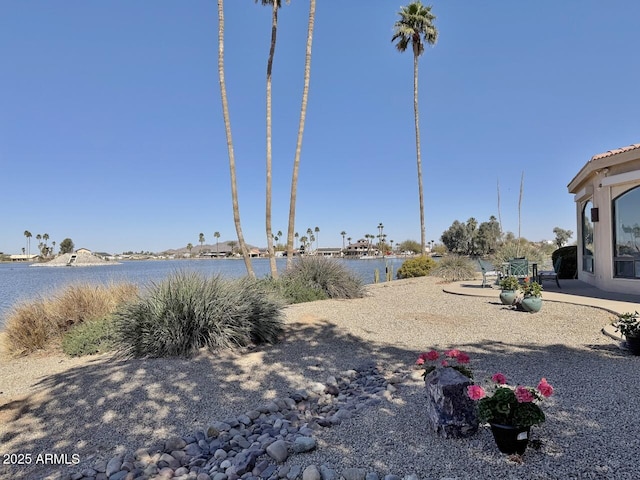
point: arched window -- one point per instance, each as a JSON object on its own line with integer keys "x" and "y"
{"x": 626, "y": 230}
{"x": 588, "y": 250}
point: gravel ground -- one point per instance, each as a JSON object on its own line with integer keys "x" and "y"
{"x": 99, "y": 406}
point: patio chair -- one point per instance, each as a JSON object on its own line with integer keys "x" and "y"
{"x": 519, "y": 267}
{"x": 488, "y": 270}
{"x": 551, "y": 274}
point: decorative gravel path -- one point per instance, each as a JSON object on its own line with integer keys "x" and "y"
{"x": 363, "y": 415}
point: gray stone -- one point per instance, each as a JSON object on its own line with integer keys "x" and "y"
{"x": 113, "y": 465}
{"x": 413, "y": 476}
{"x": 171, "y": 461}
{"x": 88, "y": 472}
{"x": 392, "y": 477}
{"x": 119, "y": 475}
{"x": 253, "y": 414}
{"x": 311, "y": 473}
{"x": 175, "y": 443}
{"x": 372, "y": 476}
{"x": 267, "y": 472}
{"x": 203, "y": 476}
{"x": 328, "y": 473}
{"x": 354, "y": 473}
{"x": 181, "y": 471}
{"x": 304, "y": 444}
{"x": 220, "y": 476}
{"x": 244, "y": 419}
{"x": 283, "y": 471}
{"x": 220, "y": 454}
{"x": 278, "y": 451}
{"x": 294, "y": 472}
{"x": 450, "y": 411}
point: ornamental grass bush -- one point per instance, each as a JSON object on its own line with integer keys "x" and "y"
{"x": 325, "y": 275}
{"x": 41, "y": 323}
{"x": 188, "y": 312}
{"x": 454, "y": 268}
{"x": 294, "y": 290}
{"x": 416, "y": 267}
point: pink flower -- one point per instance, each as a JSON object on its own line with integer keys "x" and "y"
{"x": 453, "y": 353}
{"x": 523, "y": 395}
{"x": 444, "y": 363}
{"x": 432, "y": 355}
{"x": 499, "y": 378}
{"x": 545, "y": 389}
{"x": 462, "y": 358}
{"x": 420, "y": 361}
{"x": 475, "y": 392}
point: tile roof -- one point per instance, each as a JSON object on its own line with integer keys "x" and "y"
{"x": 614, "y": 152}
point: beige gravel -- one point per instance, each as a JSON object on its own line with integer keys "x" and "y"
{"x": 99, "y": 406}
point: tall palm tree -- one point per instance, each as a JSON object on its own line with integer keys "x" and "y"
{"x": 227, "y": 127}
{"x": 216, "y": 235}
{"x": 303, "y": 114}
{"x": 416, "y": 28}
{"x": 317, "y": 230}
{"x": 28, "y": 235}
{"x": 201, "y": 240}
{"x": 343, "y": 233}
{"x": 275, "y": 4}
{"x": 189, "y": 247}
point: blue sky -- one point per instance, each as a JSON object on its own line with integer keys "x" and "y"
{"x": 111, "y": 131}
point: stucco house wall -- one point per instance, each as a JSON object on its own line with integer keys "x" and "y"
{"x": 603, "y": 179}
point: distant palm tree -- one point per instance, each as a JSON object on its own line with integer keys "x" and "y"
{"x": 232, "y": 244}
{"x": 343, "y": 233}
{"x": 227, "y": 126}
{"x": 297, "y": 235}
{"x": 201, "y": 240}
{"x": 53, "y": 247}
{"x": 303, "y": 114}
{"x": 275, "y": 4}
{"x": 217, "y": 237}
{"x": 39, "y": 238}
{"x": 416, "y": 28}
{"x": 189, "y": 247}
{"x": 317, "y": 230}
{"x": 28, "y": 235}
{"x": 23, "y": 250}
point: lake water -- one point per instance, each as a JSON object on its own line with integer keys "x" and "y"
{"x": 19, "y": 281}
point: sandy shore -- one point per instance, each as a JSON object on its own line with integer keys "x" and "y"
{"x": 98, "y": 406}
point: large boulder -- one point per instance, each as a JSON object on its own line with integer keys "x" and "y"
{"x": 450, "y": 412}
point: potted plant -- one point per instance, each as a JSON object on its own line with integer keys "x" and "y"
{"x": 628, "y": 324}
{"x": 453, "y": 358}
{"x": 510, "y": 411}
{"x": 509, "y": 286}
{"x": 532, "y": 300}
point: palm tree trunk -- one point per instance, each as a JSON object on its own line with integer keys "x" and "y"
{"x": 303, "y": 114}
{"x": 227, "y": 127}
{"x": 270, "y": 251}
{"x": 418, "y": 154}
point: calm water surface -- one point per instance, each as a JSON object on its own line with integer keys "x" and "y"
{"x": 19, "y": 281}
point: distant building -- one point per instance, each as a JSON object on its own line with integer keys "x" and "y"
{"x": 361, "y": 247}
{"x": 607, "y": 195}
{"x": 23, "y": 258}
{"x": 83, "y": 251}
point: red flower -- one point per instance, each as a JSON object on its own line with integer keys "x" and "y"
{"x": 524, "y": 395}
{"x": 475, "y": 392}
{"x": 453, "y": 353}
{"x": 420, "y": 361}
{"x": 545, "y": 389}
{"x": 444, "y": 363}
{"x": 499, "y": 378}
{"x": 462, "y": 358}
{"x": 432, "y": 355}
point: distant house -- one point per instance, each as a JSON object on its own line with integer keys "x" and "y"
{"x": 607, "y": 196}
{"x": 361, "y": 247}
{"x": 329, "y": 251}
{"x": 23, "y": 258}
{"x": 83, "y": 251}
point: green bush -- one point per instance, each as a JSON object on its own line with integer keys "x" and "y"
{"x": 89, "y": 338}
{"x": 294, "y": 290}
{"x": 454, "y": 268}
{"x": 187, "y": 312}
{"x": 325, "y": 275}
{"x": 416, "y": 267}
{"x": 569, "y": 265}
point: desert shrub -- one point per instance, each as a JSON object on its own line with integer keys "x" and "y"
{"x": 454, "y": 268}
{"x": 569, "y": 265}
{"x": 514, "y": 249}
{"x": 294, "y": 290}
{"x": 37, "y": 324}
{"x": 325, "y": 275}
{"x": 90, "y": 337}
{"x": 187, "y": 312}
{"x": 416, "y": 267}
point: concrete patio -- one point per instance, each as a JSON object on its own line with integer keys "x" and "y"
{"x": 571, "y": 291}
